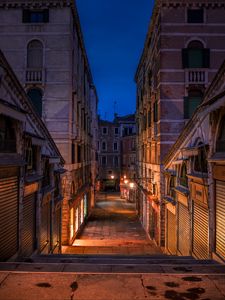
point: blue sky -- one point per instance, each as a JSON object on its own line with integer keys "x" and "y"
{"x": 114, "y": 32}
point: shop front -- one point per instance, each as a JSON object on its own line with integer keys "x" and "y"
{"x": 200, "y": 220}
{"x": 171, "y": 234}
{"x": 219, "y": 179}
{"x": 183, "y": 224}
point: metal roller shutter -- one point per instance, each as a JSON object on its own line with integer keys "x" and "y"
{"x": 45, "y": 227}
{"x": 56, "y": 231}
{"x": 200, "y": 231}
{"x": 220, "y": 218}
{"x": 183, "y": 230}
{"x": 29, "y": 225}
{"x": 171, "y": 232}
{"x": 8, "y": 217}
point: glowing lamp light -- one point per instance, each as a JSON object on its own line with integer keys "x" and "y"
{"x": 131, "y": 185}
{"x": 112, "y": 177}
{"x": 126, "y": 181}
{"x": 124, "y": 176}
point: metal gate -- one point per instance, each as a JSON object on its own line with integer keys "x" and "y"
{"x": 171, "y": 232}
{"x": 200, "y": 231}
{"x": 45, "y": 228}
{"x": 183, "y": 230}
{"x": 29, "y": 225}
{"x": 8, "y": 217}
{"x": 220, "y": 217}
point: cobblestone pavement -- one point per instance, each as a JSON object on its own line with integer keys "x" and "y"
{"x": 58, "y": 286}
{"x": 113, "y": 228}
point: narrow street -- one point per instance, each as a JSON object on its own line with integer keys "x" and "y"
{"x": 113, "y": 228}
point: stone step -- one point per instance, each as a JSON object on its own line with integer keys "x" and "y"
{"x": 93, "y": 268}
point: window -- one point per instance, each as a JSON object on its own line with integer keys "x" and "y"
{"x": 155, "y": 112}
{"x": 103, "y": 146}
{"x": 171, "y": 191}
{"x": 220, "y": 144}
{"x": 104, "y": 161}
{"x": 31, "y": 156}
{"x": 7, "y": 135}
{"x": 195, "y": 16}
{"x": 46, "y": 173}
{"x": 191, "y": 102}
{"x": 35, "y": 96}
{"x": 116, "y": 161}
{"x": 35, "y": 16}
{"x": 73, "y": 153}
{"x": 149, "y": 118}
{"x": 196, "y": 56}
{"x": 130, "y": 130}
{"x": 35, "y": 55}
{"x": 183, "y": 176}
{"x": 115, "y": 146}
{"x": 104, "y": 130}
{"x": 200, "y": 161}
{"x": 116, "y": 131}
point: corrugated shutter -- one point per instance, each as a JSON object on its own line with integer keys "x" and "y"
{"x": 220, "y": 218}
{"x": 200, "y": 231}
{"x": 8, "y": 217}
{"x": 57, "y": 230}
{"x": 45, "y": 227}
{"x": 183, "y": 230}
{"x": 171, "y": 232}
{"x": 29, "y": 225}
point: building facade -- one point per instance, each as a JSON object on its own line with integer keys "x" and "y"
{"x": 109, "y": 155}
{"x": 183, "y": 50}
{"x": 30, "y": 171}
{"x": 195, "y": 182}
{"x": 50, "y": 61}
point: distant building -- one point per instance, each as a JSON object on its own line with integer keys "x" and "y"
{"x": 117, "y": 151}
{"x": 30, "y": 171}
{"x": 43, "y": 43}
{"x": 109, "y": 155}
{"x": 183, "y": 50}
{"x": 194, "y": 171}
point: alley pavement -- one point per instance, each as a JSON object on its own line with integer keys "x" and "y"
{"x": 72, "y": 286}
{"x": 113, "y": 228}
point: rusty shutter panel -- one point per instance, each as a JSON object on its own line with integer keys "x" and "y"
{"x": 200, "y": 231}
{"x": 220, "y": 217}
{"x": 183, "y": 230}
{"x": 8, "y": 217}
{"x": 29, "y": 225}
{"x": 171, "y": 232}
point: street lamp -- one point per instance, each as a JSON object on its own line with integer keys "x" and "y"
{"x": 131, "y": 185}
{"x": 112, "y": 177}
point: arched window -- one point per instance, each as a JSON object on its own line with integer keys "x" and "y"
{"x": 191, "y": 102}
{"x": 35, "y": 55}
{"x": 35, "y": 96}
{"x": 200, "y": 161}
{"x": 196, "y": 56}
{"x": 220, "y": 144}
{"x": 183, "y": 176}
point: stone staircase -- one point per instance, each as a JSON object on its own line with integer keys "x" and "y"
{"x": 111, "y": 264}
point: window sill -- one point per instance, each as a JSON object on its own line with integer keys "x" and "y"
{"x": 182, "y": 190}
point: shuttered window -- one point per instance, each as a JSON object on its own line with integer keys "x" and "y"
{"x": 220, "y": 217}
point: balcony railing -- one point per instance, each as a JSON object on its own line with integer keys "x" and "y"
{"x": 196, "y": 76}
{"x": 35, "y": 76}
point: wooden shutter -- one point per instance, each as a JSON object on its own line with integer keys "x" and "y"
{"x": 171, "y": 232}
{"x": 185, "y": 62}
{"x": 183, "y": 230}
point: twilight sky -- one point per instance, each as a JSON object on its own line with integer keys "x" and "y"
{"x": 114, "y": 33}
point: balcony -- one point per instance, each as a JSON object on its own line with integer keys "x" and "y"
{"x": 196, "y": 76}
{"x": 35, "y": 76}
